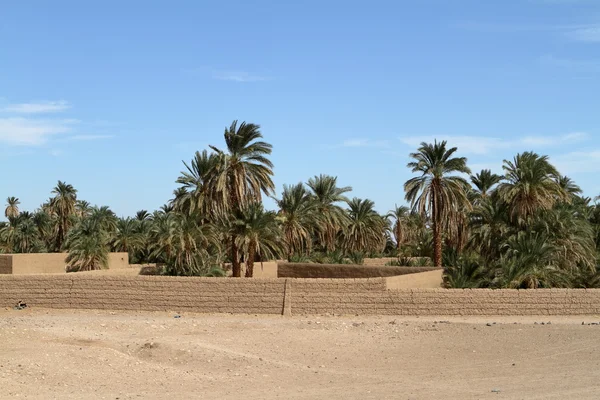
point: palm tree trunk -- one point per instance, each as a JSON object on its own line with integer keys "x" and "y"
{"x": 250, "y": 261}
{"x": 236, "y": 267}
{"x": 437, "y": 244}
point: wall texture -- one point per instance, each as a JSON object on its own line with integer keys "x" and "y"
{"x": 50, "y": 263}
{"x": 345, "y": 271}
{"x": 295, "y": 296}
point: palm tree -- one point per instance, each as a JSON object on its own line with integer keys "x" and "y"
{"x": 257, "y": 235}
{"x": 12, "y": 207}
{"x": 298, "y": 217}
{"x": 82, "y": 208}
{"x": 485, "y": 181}
{"x": 530, "y": 185}
{"x": 568, "y": 185}
{"x": 63, "y": 206}
{"x": 105, "y": 219}
{"x": 197, "y": 194}
{"x": 435, "y": 192}
{"x": 127, "y": 237}
{"x": 88, "y": 247}
{"x": 333, "y": 218}
{"x": 186, "y": 247}
{"x": 399, "y": 216}
{"x": 243, "y": 173}
{"x": 365, "y": 231}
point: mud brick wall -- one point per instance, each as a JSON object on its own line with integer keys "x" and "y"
{"x": 149, "y": 293}
{"x": 273, "y": 296}
{"x": 311, "y": 299}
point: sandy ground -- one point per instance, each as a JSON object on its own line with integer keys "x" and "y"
{"x": 50, "y": 354}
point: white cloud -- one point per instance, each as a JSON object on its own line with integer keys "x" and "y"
{"x": 586, "y": 34}
{"x": 578, "y": 162}
{"x": 32, "y": 132}
{"x": 37, "y": 107}
{"x": 481, "y": 145}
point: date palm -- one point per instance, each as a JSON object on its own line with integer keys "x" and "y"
{"x": 257, "y": 235}
{"x": 484, "y": 182}
{"x": 243, "y": 173}
{"x": 366, "y": 228}
{"x": 400, "y": 216}
{"x": 436, "y": 193}
{"x": 197, "y": 195}
{"x": 530, "y": 185}
{"x": 333, "y": 218}
{"x": 12, "y": 208}
{"x": 127, "y": 237}
{"x": 62, "y": 206}
{"x": 298, "y": 217}
{"x": 88, "y": 247}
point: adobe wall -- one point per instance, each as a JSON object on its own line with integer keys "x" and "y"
{"x": 273, "y": 296}
{"x": 424, "y": 280}
{"x": 382, "y": 261}
{"x": 52, "y": 263}
{"x": 342, "y": 271}
{"x": 5, "y": 264}
{"x": 149, "y": 293}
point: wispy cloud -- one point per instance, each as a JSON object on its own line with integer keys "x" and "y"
{"x": 480, "y": 145}
{"x": 37, "y": 107}
{"x": 578, "y": 162}
{"x": 586, "y": 34}
{"x": 238, "y": 76}
{"x": 32, "y": 132}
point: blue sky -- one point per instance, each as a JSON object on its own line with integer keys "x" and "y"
{"x": 111, "y": 96}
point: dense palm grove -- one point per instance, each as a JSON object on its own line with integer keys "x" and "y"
{"x": 528, "y": 228}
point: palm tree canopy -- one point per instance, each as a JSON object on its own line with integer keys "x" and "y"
{"x": 530, "y": 185}
{"x": 485, "y": 181}
{"x": 243, "y": 172}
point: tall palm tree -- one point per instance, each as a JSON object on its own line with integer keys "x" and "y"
{"x": 257, "y": 235}
{"x": 485, "y": 181}
{"x": 298, "y": 217}
{"x": 333, "y": 218}
{"x": 242, "y": 175}
{"x": 530, "y": 185}
{"x": 12, "y": 208}
{"x": 435, "y": 192}
{"x": 399, "y": 216}
{"x": 63, "y": 206}
{"x": 366, "y": 228}
{"x": 198, "y": 194}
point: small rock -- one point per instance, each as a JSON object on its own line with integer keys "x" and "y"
{"x": 488, "y": 324}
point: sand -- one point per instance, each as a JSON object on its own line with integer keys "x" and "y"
{"x": 68, "y": 354}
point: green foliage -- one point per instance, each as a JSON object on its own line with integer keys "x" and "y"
{"x": 527, "y": 228}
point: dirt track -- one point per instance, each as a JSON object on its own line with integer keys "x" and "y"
{"x": 106, "y": 355}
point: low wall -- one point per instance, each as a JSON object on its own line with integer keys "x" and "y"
{"x": 342, "y": 271}
{"x": 295, "y": 296}
{"x": 49, "y": 263}
{"x": 383, "y": 261}
{"x": 424, "y": 280}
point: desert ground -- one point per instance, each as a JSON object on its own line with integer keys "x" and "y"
{"x": 68, "y": 354}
